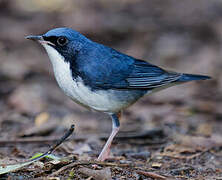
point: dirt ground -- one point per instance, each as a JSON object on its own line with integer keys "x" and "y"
{"x": 173, "y": 134}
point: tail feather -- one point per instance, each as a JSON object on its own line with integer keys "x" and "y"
{"x": 192, "y": 77}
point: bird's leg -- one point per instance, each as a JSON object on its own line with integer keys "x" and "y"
{"x": 115, "y": 128}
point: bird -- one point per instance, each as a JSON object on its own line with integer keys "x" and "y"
{"x": 101, "y": 78}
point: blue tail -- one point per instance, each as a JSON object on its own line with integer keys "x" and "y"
{"x": 192, "y": 77}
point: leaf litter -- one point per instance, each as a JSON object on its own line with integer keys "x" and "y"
{"x": 6, "y": 168}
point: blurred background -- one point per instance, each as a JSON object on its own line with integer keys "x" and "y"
{"x": 184, "y": 36}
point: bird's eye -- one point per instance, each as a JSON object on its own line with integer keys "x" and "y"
{"x": 62, "y": 41}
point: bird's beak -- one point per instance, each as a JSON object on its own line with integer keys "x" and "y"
{"x": 34, "y": 38}
{"x": 40, "y": 39}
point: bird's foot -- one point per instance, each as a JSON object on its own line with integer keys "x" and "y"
{"x": 104, "y": 155}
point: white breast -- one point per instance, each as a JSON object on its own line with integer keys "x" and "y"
{"x": 99, "y": 100}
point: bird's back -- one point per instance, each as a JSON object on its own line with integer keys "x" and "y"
{"x": 101, "y": 68}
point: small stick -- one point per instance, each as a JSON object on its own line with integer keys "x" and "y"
{"x": 60, "y": 141}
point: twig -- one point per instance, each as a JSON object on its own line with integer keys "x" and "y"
{"x": 68, "y": 167}
{"x": 151, "y": 174}
{"x": 60, "y": 141}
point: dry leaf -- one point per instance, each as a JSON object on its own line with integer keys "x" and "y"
{"x": 156, "y": 165}
{"x": 41, "y": 118}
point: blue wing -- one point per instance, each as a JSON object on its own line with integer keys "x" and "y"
{"x": 147, "y": 76}
{"x": 105, "y": 68}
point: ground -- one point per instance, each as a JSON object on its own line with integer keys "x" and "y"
{"x": 173, "y": 134}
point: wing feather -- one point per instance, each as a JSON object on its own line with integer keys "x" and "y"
{"x": 148, "y": 76}
{"x": 107, "y": 68}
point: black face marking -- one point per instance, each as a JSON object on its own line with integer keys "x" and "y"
{"x": 62, "y": 41}
{"x": 51, "y": 39}
{"x": 69, "y": 49}
{"x": 57, "y": 41}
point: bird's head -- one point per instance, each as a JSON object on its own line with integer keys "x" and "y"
{"x": 64, "y": 42}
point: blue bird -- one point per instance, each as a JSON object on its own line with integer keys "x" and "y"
{"x": 101, "y": 78}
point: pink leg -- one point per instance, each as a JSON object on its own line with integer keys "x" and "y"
{"x": 106, "y": 149}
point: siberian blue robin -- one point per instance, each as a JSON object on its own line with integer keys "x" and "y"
{"x": 101, "y": 78}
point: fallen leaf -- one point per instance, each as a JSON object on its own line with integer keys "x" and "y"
{"x": 42, "y": 118}
{"x": 55, "y": 159}
{"x": 12, "y": 167}
{"x": 156, "y": 165}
